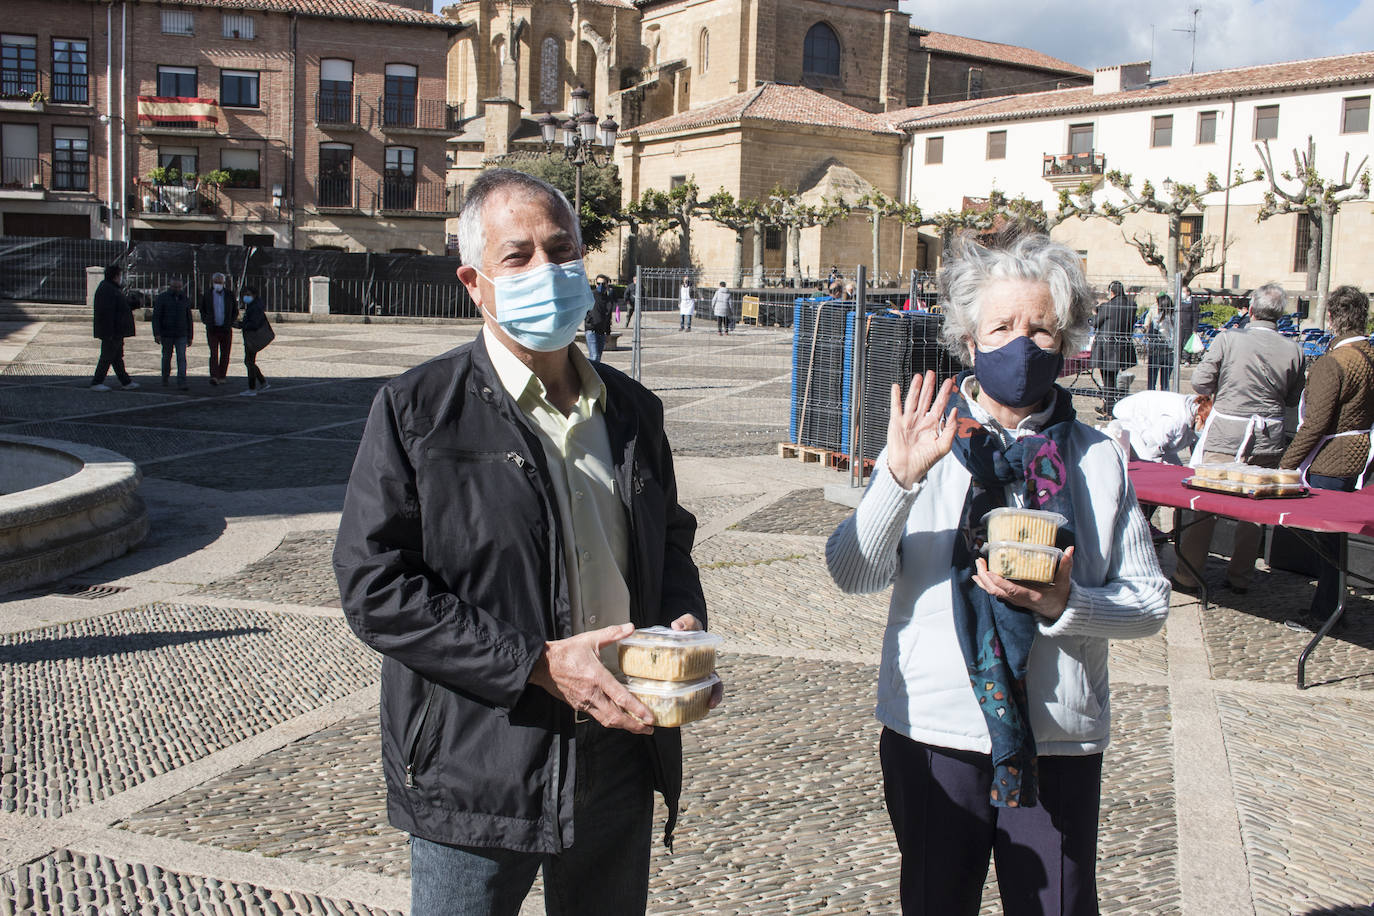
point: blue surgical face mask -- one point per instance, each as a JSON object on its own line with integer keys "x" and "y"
{"x": 542, "y": 308}
{"x": 1017, "y": 374}
{"x": 248, "y": 300}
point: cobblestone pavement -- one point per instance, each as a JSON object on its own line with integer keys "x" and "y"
{"x": 206, "y": 741}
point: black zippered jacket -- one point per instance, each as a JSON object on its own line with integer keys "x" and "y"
{"x": 450, "y": 564}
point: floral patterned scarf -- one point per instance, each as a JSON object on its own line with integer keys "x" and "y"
{"x": 996, "y": 637}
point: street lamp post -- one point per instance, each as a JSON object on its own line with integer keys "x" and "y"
{"x": 583, "y": 139}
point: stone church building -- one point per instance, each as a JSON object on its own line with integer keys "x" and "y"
{"x": 744, "y": 95}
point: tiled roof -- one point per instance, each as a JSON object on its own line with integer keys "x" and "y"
{"x": 363, "y": 10}
{"x": 993, "y": 51}
{"x": 1218, "y": 83}
{"x": 773, "y": 102}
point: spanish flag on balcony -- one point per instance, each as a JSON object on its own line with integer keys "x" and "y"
{"x": 155, "y": 109}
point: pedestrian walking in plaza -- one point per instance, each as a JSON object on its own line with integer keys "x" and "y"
{"x": 1188, "y": 316}
{"x": 1160, "y": 334}
{"x": 686, "y": 305}
{"x": 1335, "y": 440}
{"x": 992, "y": 690}
{"x": 599, "y": 317}
{"x": 720, "y": 307}
{"x": 173, "y": 329}
{"x": 496, "y": 583}
{"x": 219, "y": 310}
{"x": 257, "y": 334}
{"x": 113, "y": 316}
{"x": 1113, "y": 343}
{"x": 631, "y": 299}
{"x": 1252, "y": 374}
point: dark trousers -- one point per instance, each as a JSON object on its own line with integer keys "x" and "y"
{"x": 221, "y": 340}
{"x": 605, "y": 872}
{"x": 1161, "y": 373}
{"x": 1109, "y": 393}
{"x": 250, "y": 363}
{"x": 947, "y": 829}
{"x": 722, "y": 324}
{"x": 1327, "y": 595}
{"x": 111, "y": 357}
{"x": 170, "y": 346}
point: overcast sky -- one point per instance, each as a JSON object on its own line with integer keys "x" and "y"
{"x": 1230, "y": 33}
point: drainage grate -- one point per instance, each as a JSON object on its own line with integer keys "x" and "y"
{"x": 90, "y": 592}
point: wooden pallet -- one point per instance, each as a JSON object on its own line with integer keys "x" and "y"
{"x": 807, "y": 454}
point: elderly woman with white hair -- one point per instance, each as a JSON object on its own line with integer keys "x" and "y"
{"x": 993, "y": 692}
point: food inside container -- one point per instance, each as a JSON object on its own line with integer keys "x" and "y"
{"x": 1026, "y": 562}
{"x": 1212, "y": 470}
{"x": 1287, "y": 477}
{"x": 665, "y": 654}
{"x": 674, "y": 704}
{"x": 1024, "y": 526}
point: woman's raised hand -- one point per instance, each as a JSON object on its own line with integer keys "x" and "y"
{"x": 918, "y": 433}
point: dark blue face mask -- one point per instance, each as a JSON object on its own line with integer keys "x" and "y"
{"x": 1017, "y": 374}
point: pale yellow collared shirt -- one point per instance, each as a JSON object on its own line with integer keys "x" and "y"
{"x": 578, "y": 450}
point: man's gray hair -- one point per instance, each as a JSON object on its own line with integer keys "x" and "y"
{"x": 217, "y": 276}
{"x": 1268, "y": 302}
{"x": 472, "y": 237}
{"x": 971, "y": 266}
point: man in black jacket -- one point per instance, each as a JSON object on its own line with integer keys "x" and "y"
{"x": 113, "y": 321}
{"x": 219, "y": 309}
{"x": 173, "y": 328}
{"x": 1113, "y": 343}
{"x": 512, "y": 514}
{"x": 599, "y": 318}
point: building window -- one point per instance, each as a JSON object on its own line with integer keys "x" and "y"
{"x": 550, "y": 72}
{"x": 997, "y": 144}
{"x": 975, "y": 82}
{"x": 935, "y": 150}
{"x": 1355, "y": 115}
{"x": 1080, "y": 138}
{"x": 178, "y": 22}
{"x": 704, "y": 51}
{"x": 336, "y": 92}
{"x": 398, "y": 181}
{"x": 772, "y": 239}
{"x": 177, "y": 82}
{"x": 182, "y": 159}
{"x": 1267, "y": 122}
{"x": 398, "y": 103}
{"x": 1207, "y": 127}
{"x": 1302, "y": 243}
{"x": 676, "y": 181}
{"x": 334, "y": 180}
{"x": 1189, "y": 232}
{"x": 244, "y": 167}
{"x": 1162, "y": 130}
{"x": 20, "y": 167}
{"x": 821, "y": 52}
{"x": 238, "y": 88}
{"x": 69, "y": 74}
{"x": 18, "y": 66}
{"x": 236, "y": 25}
{"x": 71, "y": 159}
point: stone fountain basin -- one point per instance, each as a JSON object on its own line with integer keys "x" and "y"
{"x": 64, "y": 507}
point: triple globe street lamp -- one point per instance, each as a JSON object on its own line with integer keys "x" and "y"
{"x": 583, "y": 139}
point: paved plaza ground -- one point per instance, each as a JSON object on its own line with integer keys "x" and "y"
{"x": 198, "y": 734}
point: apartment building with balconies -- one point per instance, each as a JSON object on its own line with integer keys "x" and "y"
{"x": 295, "y": 123}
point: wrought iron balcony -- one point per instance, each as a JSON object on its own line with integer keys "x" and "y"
{"x": 338, "y": 109}
{"x": 338, "y": 193}
{"x": 23, "y": 174}
{"x": 404, "y": 194}
{"x": 406, "y": 112}
{"x": 176, "y": 201}
{"x": 1089, "y": 163}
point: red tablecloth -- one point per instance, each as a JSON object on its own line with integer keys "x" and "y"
{"x": 1323, "y": 510}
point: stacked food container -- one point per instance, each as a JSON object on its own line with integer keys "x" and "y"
{"x": 1021, "y": 543}
{"x": 671, "y": 671}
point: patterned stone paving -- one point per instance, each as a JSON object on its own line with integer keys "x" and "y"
{"x": 141, "y": 444}
{"x": 99, "y": 705}
{"x": 255, "y": 417}
{"x": 1300, "y": 769}
{"x": 266, "y": 464}
{"x": 799, "y": 512}
{"x": 79, "y": 884}
{"x": 44, "y": 402}
{"x": 298, "y": 571}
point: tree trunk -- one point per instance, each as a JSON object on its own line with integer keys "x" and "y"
{"x": 1324, "y": 278}
{"x": 629, "y": 267}
{"x": 1171, "y": 260}
{"x": 685, "y": 254}
{"x": 794, "y": 253}
{"x": 1314, "y": 250}
{"x": 876, "y": 223}
{"x": 760, "y": 234}
{"x": 738, "y": 273}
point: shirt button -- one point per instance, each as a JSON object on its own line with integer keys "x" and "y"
{"x": 578, "y": 495}
{"x": 591, "y": 618}
{"x": 586, "y": 556}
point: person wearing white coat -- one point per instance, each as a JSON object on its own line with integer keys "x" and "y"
{"x": 686, "y": 305}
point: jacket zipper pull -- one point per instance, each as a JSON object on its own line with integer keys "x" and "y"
{"x": 517, "y": 458}
{"x": 410, "y": 776}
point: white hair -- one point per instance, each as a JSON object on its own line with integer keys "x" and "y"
{"x": 472, "y": 236}
{"x": 1031, "y": 257}
{"x": 1268, "y": 302}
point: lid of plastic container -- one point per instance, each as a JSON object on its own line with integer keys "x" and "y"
{"x": 1037, "y": 513}
{"x": 670, "y": 688}
{"x": 676, "y": 639}
{"x": 1017, "y": 545}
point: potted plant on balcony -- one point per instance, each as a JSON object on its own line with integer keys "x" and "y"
{"x": 164, "y": 175}
{"x": 37, "y": 99}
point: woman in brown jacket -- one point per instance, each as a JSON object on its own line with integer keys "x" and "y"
{"x": 1333, "y": 440}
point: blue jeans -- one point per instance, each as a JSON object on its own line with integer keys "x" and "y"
{"x": 1325, "y": 598}
{"x": 169, "y": 344}
{"x": 604, "y": 873}
{"x": 596, "y": 345}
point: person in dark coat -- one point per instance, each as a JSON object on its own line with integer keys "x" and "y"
{"x": 1113, "y": 344}
{"x": 113, "y": 321}
{"x": 219, "y": 310}
{"x": 174, "y": 329}
{"x": 1188, "y": 317}
{"x": 599, "y": 317}
{"x": 631, "y": 297}
{"x": 254, "y": 318}
{"x": 496, "y": 583}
